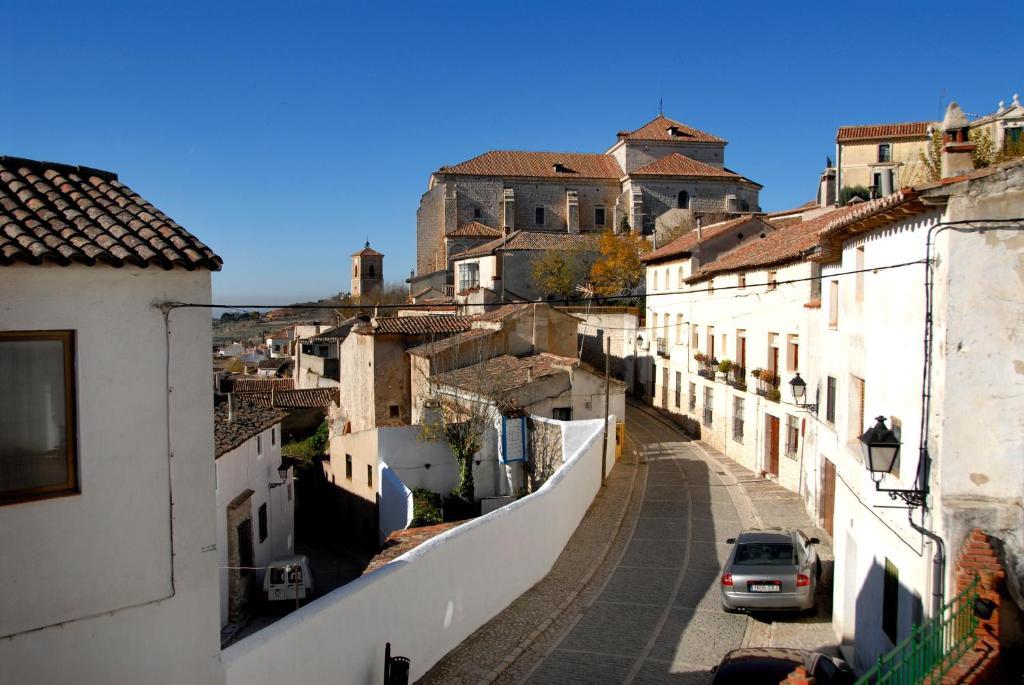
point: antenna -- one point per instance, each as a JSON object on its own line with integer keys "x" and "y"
{"x": 661, "y": 106}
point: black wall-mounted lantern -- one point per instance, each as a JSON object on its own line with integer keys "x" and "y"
{"x": 880, "y": 448}
{"x": 798, "y": 386}
{"x": 282, "y": 472}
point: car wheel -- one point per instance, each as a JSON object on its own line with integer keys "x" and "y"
{"x": 817, "y": 569}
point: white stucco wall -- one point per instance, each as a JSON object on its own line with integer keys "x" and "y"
{"x": 243, "y": 468}
{"x": 430, "y": 599}
{"x": 92, "y": 599}
{"x": 396, "y": 505}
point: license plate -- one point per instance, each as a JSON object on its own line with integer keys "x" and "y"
{"x": 765, "y": 586}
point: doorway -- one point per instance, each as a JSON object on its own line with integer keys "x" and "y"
{"x": 828, "y": 496}
{"x": 772, "y": 443}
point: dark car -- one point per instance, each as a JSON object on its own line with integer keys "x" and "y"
{"x": 757, "y": 665}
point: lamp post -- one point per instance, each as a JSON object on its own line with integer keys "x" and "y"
{"x": 282, "y": 472}
{"x": 880, "y": 448}
{"x": 798, "y": 386}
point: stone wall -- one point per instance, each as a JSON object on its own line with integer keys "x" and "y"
{"x": 430, "y": 231}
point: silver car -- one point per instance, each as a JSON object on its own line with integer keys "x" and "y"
{"x": 771, "y": 570}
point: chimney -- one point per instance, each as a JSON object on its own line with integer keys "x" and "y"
{"x": 957, "y": 148}
{"x": 827, "y": 187}
{"x": 231, "y": 407}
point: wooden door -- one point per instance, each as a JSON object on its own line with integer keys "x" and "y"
{"x": 664, "y": 387}
{"x": 828, "y": 495}
{"x": 773, "y": 445}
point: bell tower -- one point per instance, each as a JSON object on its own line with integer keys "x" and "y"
{"x": 367, "y": 273}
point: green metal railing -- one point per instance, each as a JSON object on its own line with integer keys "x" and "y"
{"x": 933, "y": 648}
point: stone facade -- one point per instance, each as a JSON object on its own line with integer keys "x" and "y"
{"x": 239, "y": 513}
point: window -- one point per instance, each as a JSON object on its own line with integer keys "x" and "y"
{"x": 711, "y": 341}
{"x": 263, "y": 521}
{"x": 683, "y": 200}
{"x": 259, "y": 444}
{"x": 738, "y": 405}
{"x": 476, "y": 212}
{"x": 741, "y": 352}
{"x": 856, "y": 413}
{"x": 680, "y": 330}
{"x": 289, "y": 489}
{"x": 793, "y": 344}
{"x": 890, "y": 600}
{"x": 792, "y": 435}
{"x": 562, "y": 413}
{"x": 830, "y": 400}
{"x": 654, "y": 281}
{"x": 538, "y": 216}
{"x": 772, "y": 278}
{"x": 833, "y": 305}
{"x": 369, "y": 270}
{"x": 709, "y": 403}
{"x": 599, "y": 216}
{"x": 885, "y": 152}
{"x": 348, "y": 466}
{"x": 273, "y": 435}
{"x": 38, "y": 454}
{"x": 859, "y": 276}
{"x": 469, "y": 276}
{"x": 369, "y": 476}
{"x": 693, "y": 397}
{"x": 693, "y": 336}
{"x": 741, "y": 281}
{"x": 679, "y": 278}
{"x": 393, "y": 411}
{"x": 679, "y": 389}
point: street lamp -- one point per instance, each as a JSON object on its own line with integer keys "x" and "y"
{"x": 282, "y": 472}
{"x": 798, "y": 386}
{"x": 880, "y": 448}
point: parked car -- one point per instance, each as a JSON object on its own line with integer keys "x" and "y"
{"x": 771, "y": 570}
{"x": 757, "y": 665}
{"x": 289, "y": 578}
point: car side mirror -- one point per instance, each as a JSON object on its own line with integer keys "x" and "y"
{"x": 730, "y": 541}
{"x": 814, "y": 541}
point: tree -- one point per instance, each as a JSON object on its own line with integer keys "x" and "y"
{"x": 618, "y": 269}
{"x": 983, "y": 155}
{"x": 850, "y": 192}
{"x": 558, "y": 272}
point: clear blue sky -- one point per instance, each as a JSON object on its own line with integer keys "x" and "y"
{"x": 284, "y": 136}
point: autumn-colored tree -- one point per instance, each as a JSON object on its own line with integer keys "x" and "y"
{"x": 618, "y": 270}
{"x": 558, "y": 272}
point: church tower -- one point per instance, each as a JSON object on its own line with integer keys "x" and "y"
{"x": 367, "y": 273}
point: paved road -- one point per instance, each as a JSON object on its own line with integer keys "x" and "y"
{"x": 658, "y": 619}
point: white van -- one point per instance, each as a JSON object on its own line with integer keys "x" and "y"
{"x": 289, "y": 578}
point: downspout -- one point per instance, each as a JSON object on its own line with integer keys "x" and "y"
{"x": 938, "y": 563}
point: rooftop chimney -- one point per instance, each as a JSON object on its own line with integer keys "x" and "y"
{"x": 957, "y": 148}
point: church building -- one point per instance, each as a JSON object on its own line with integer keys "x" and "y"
{"x": 367, "y": 272}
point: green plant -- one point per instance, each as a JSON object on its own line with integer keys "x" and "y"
{"x": 725, "y": 365}
{"x": 756, "y": 373}
{"x": 310, "y": 449}
{"x": 426, "y": 508}
{"x": 850, "y": 192}
{"x": 774, "y": 395}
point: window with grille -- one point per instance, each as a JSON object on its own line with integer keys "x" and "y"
{"x": 738, "y": 405}
{"x": 693, "y": 397}
{"x": 679, "y": 389}
{"x": 890, "y": 600}
{"x": 469, "y": 276}
{"x": 830, "y": 400}
{"x": 885, "y": 152}
{"x": 792, "y": 435}
{"x": 709, "y": 403}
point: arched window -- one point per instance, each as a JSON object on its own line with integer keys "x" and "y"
{"x": 683, "y": 200}
{"x": 679, "y": 278}
{"x": 654, "y": 282}
{"x": 370, "y": 270}
{"x": 355, "y": 270}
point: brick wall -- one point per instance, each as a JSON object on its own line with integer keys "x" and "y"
{"x": 799, "y": 676}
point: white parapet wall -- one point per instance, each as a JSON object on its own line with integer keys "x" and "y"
{"x": 430, "y": 599}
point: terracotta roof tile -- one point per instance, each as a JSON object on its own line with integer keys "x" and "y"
{"x": 910, "y": 129}
{"x": 676, "y": 164}
{"x": 663, "y": 128}
{"x": 499, "y": 375}
{"x": 367, "y": 251}
{"x": 505, "y": 310}
{"x": 416, "y": 325}
{"x": 685, "y": 244}
{"x": 786, "y": 244}
{"x": 71, "y": 214}
{"x": 247, "y": 420}
{"x": 475, "y": 229}
{"x": 305, "y": 398}
{"x": 476, "y": 335}
{"x": 512, "y": 163}
{"x": 534, "y": 240}
{"x": 244, "y": 385}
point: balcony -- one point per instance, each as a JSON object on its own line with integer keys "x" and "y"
{"x": 662, "y": 348}
{"x": 767, "y": 384}
{"x": 707, "y": 367}
{"x": 737, "y": 377}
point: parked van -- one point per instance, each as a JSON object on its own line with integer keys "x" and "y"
{"x": 289, "y": 578}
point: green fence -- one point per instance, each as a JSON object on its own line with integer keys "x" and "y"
{"x": 933, "y": 648}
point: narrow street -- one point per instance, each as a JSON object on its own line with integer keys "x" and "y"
{"x": 650, "y": 612}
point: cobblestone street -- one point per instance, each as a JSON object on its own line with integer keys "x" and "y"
{"x": 634, "y": 597}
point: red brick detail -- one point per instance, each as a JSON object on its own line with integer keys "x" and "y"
{"x": 799, "y": 676}
{"x": 977, "y": 558}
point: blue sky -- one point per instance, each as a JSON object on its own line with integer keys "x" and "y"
{"x": 284, "y": 136}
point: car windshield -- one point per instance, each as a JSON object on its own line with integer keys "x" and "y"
{"x": 764, "y": 554}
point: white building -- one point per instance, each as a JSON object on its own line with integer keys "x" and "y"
{"x": 279, "y": 343}
{"x": 255, "y": 504}
{"x": 106, "y": 475}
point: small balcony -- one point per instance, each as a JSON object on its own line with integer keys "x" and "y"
{"x": 662, "y": 348}
{"x": 767, "y": 384}
{"x": 707, "y": 367}
{"x": 737, "y": 377}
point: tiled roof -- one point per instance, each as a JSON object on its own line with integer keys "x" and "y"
{"x": 65, "y": 214}
{"x": 786, "y": 244}
{"x": 910, "y": 129}
{"x": 676, "y": 164}
{"x": 499, "y": 375}
{"x": 684, "y": 244}
{"x": 474, "y": 229}
{"x": 244, "y": 385}
{"x": 476, "y": 335}
{"x": 512, "y": 163}
{"x": 336, "y": 334}
{"x": 273, "y": 363}
{"x": 367, "y": 251}
{"x": 534, "y": 240}
{"x": 281, "y": 334}
{"x": 247, "y": 420}
{"x": 810, "y": 204}
{"x": 663, "y": 128}
{"x": 499, "y": 313}
{"x": 305, "y": 398}
{"x": 416, "y": 325}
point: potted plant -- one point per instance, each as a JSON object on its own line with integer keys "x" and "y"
{"x": 774, "y": 395}
{"x": 756, "y": 373}
{"x": 699, "y": 357}
{"x": 725, "y": 365}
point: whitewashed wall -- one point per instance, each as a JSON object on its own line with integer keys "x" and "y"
{"x": 430, "y": 599}
{"x": 396, "y": 507}
{"x": 89, "y": 595}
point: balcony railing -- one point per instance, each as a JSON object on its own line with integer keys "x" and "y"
{"x": 737, "y": 377}
{"x": 933, "y": 648}
{"x": 768, "y": 387}
{"x": 662, "y": 347}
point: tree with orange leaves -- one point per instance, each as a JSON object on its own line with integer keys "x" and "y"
{"x": 618, "y": 270}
